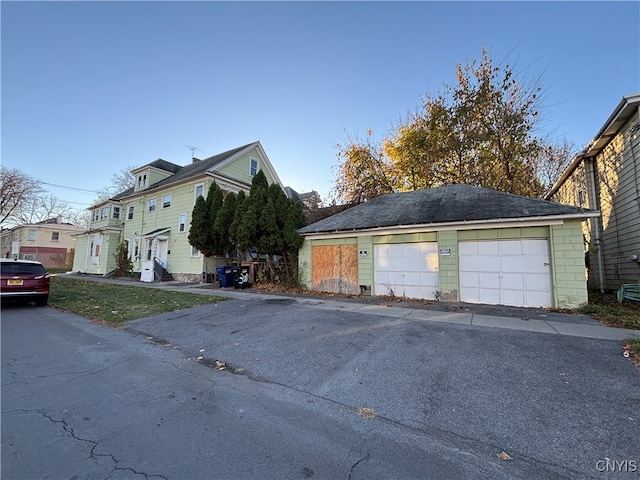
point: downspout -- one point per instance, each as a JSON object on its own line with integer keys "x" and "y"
{"x": 592, "y": 174}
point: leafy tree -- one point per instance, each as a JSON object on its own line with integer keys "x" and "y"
{"x": 222, "y": 225}
{"x": 364, "y": 172}
{"x": 480, "y": 131}
{"x": 202, "y": 234}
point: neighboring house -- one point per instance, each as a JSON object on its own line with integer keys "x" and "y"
{"x": 606, "y": 177}
{"x": 154, "y": 217}
{"x": 454, "y": 243}
{"x": 49, "y": 242}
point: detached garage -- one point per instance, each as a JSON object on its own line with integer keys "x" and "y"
{"x": 454, "y": 243}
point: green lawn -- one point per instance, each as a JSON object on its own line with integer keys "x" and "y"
{"x": 119, "y": 303}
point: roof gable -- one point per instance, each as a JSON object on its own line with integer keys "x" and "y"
{"x": 445, "y": 205}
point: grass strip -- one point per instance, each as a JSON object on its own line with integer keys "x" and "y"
{"x": 119, "y": 303}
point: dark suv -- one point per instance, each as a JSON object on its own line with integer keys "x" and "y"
{"x": 24, "y": 281}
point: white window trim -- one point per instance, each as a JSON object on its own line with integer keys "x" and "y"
{"x": 195, "y": 190}
{"x": 155, "y": 204}
{"x": 130, "y": 209}
{"x": 163, "y": 202}
{"x": 113, "y": 212}
{"x": 197, "y": 252}
{"x": 251, "y": 160}
{"x": 185, "y": 222}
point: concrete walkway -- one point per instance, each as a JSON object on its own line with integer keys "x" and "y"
{"x": 568, "y": 325}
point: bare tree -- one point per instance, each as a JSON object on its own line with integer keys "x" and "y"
{"x": 120, "y": 181}
{"x": 16, "y": 189}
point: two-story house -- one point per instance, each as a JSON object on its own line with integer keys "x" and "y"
{"x": 153, "y": 217}
{"x": 605, "y": 176}
{"x": 49, "y": 242}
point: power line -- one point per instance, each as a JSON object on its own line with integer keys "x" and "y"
{"x": 68, "y": 188}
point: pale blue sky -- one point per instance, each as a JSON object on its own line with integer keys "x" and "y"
{"x": 89, "y": 88}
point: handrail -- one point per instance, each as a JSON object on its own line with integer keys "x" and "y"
{"x": 157, "y": 269}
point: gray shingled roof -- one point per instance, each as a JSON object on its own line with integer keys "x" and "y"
{"x": 451, "y": 204}
{"x": 187, "y": 171}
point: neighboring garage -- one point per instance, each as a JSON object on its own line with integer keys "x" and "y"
{"x": 455, "y": 243}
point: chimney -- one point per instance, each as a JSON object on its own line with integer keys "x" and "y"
{"x": 195, "y": 160}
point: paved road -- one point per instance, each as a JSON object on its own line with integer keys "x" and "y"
{"x": 84, "y": 401}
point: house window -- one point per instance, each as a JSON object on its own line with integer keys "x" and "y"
{"x": 253, "y": 169}
{"x": 199, "y": 192}
{"x": 55, "y": 236}
{"x": 130, "y": 212}
{"x": 136, "y": 248}
{"x": 115, "y": 212}
{"x": 29, "y": 256}
{"x": 152, "y": 205}
{"x": 166, "y": 200}
{"x": 31, "y": 235}
{"x": 194, "y": 251}
{"x": 182, "y": 223}
{"x": 142, "y": 180}
{"x": 104, "y": 213}
{"x": 96, "y": 215}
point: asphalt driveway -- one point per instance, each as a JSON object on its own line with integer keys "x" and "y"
{"x": 558, "y": 406}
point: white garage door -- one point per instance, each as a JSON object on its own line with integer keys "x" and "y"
{"x": 406, "y": 269}
{"x": 505, "y": 272}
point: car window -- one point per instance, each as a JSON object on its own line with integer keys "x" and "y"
{"x": 21, "y": 269}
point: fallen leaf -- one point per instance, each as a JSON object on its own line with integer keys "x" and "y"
{"x": 366, "y": 412}
{"x": 504, "y": 456}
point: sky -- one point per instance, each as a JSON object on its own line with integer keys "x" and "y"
{"x": 91, "y": 88}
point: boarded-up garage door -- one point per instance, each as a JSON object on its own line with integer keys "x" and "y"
{"x": 406, "y": 269}
{"x": 505, "y": 272}
{"x": 335, "y": 269}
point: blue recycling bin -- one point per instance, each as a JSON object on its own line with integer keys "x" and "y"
{"x": 225, "y": 276}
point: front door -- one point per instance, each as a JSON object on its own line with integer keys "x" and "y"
{"x": 162, "y": 251}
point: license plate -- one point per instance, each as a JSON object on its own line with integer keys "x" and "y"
{"x": 14, "y": 282}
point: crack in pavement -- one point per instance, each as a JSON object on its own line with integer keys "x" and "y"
{"x": 353, "y": 467}
{"x": 94, "y": 444}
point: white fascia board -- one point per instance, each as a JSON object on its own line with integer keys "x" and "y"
{"x": 440, "y": 227}
{"x": 224, "y": 181}
{"x": 264, "y": 159}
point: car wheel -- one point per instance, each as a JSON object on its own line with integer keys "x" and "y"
{"x": 41, "y": 302}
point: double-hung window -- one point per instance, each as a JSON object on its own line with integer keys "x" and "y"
{"x": 182, "y": 223}
{"x": 115, "y": 212}
{"x": 253, "y": 167}
{"x": 130, "y": 212}
{"x": 152, "y": 205}
{"x": 166, "y": 200}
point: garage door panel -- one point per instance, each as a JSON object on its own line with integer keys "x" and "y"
{"x": 539, "y": 282}
{"x": 487, "y": 279}
{"x": 513, "y": 297}
{"x": 406, "y": 269}
{"x": 489, "y": 296}
{"x": 513, "y": 281}
{"x": 518, "y": 275}
{"x": 468, "y": 248}
{"x": 470, "y": 279}
{"x": 486, "y": 264}
{"x": 538, "y": 298}
{"x": 536, "y": 247}
{"x": 510, "y": 247}
{"x": 488, "y": 248}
